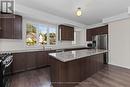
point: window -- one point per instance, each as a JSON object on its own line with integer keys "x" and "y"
{"x": 31, "y": 34}
{"x": 46, "y": 34}
{"x": 52, "y": 36}
{"x": 42, "y": 34}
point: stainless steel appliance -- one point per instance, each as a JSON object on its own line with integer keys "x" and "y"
{"x": 5, "y": 69}
{"x": 101, "y": 42}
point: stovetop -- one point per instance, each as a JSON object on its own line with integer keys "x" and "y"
{"x": 4, "y": 55}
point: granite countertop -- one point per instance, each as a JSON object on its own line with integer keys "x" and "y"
{"x": 44, "y": 49}
{"x": 76, "y": 54}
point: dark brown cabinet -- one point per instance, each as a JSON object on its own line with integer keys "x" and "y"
{"x": 66, "y": 33}
{"x": 96, "y": 31}
{"x": 11, "y": 28}
{"x": 89, "y": 34}
{"x": 19, "y": 62}
{"x": 75, "y": 70}
{"x": 17, "y": 31}
{"x": 7, "y": 28}
{"x": 91, "y": 65}
{"x": 28, "y": 60}
{"x": 41, "y": 59}
{"x": 0, "y": 26}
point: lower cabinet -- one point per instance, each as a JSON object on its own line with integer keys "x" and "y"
{"x": 75, "y": 71}
{"x": 19, "y": 62}
{"x": 31, "y": 58}
{"x": 41, "y": 59}
{"x": 28, "y": 60}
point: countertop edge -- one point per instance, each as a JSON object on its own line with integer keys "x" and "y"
{"x": 36, "y": 50}
{"x": 105, "y": 51}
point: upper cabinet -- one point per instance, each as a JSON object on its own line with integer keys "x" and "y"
{"x": 0, "y": 23}
{"x": 96, "y": 31}
{"x": 11, "y": 27}
{"x": 66, "y": 33}
{"x": 17, "y": 27}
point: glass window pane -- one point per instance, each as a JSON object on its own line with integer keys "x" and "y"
{"x": 42, "y": 34}
{"x": 52, "y": 36}
{"x": 30, "y": 34}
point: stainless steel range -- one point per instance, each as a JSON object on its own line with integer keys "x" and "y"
{"x": 6, "y": 60}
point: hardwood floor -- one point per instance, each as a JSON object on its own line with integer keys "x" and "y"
{"x": 34, "y": 78}
{"x": 110, "y": 76}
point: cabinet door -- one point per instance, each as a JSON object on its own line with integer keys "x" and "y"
{"x": 17, "y": 27}
{"x": 91, "y": 32}
{"x": 41, "y": 59}
{"x": 0, "y": 27}
{"x": 11, "y": 27}
{"x": 66, "y": 33}
{"x": 89, "y": 35}
{"x": 7, "y": 28}
{"x": 31, "y": 60}
{"x": 104, "y": 29}
{"x": 96, "y": 31}
{"x": 85, "y": 68}
{"x": 19, "y": 62}
{"x": 70, "y": 32}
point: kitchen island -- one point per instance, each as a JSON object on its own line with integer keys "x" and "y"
{"x": 71, "y": 67}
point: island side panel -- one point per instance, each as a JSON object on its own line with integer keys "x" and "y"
{"x": 74, "y": 72}
{"x": 69, "y": 74}
{"x": 58, "y": 72}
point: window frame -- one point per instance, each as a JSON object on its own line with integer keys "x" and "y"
{"x": 48, "y": 27}
{"x": 37, "y": 33}
{"x": 56, "y": 35}
{"x": 25, "y": 33}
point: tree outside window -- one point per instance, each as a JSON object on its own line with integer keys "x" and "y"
{"x": 31, "y": 35}
{"x": 46, "y": 35}
{"x": 42, "y": 34}
{"x": 52, "y": 36}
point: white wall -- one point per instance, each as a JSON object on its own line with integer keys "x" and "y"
{"x": 33, "y": 14}
{"x": 119, "y": 43}
{"x": 9, "y": 45}
{"x": 15, "y": 44}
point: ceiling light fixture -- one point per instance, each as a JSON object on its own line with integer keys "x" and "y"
{"x": 79, "y": 12}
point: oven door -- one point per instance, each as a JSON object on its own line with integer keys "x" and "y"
{"x": 7, "y": 74}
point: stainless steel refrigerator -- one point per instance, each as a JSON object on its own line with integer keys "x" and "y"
{"x": 101, "y": 42}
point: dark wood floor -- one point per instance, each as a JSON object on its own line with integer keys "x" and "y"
{"x": 34, "y": 78}
{"x": 110, "y": 76}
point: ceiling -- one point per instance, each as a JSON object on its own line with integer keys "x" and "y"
{"x": 93, "y": 10}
